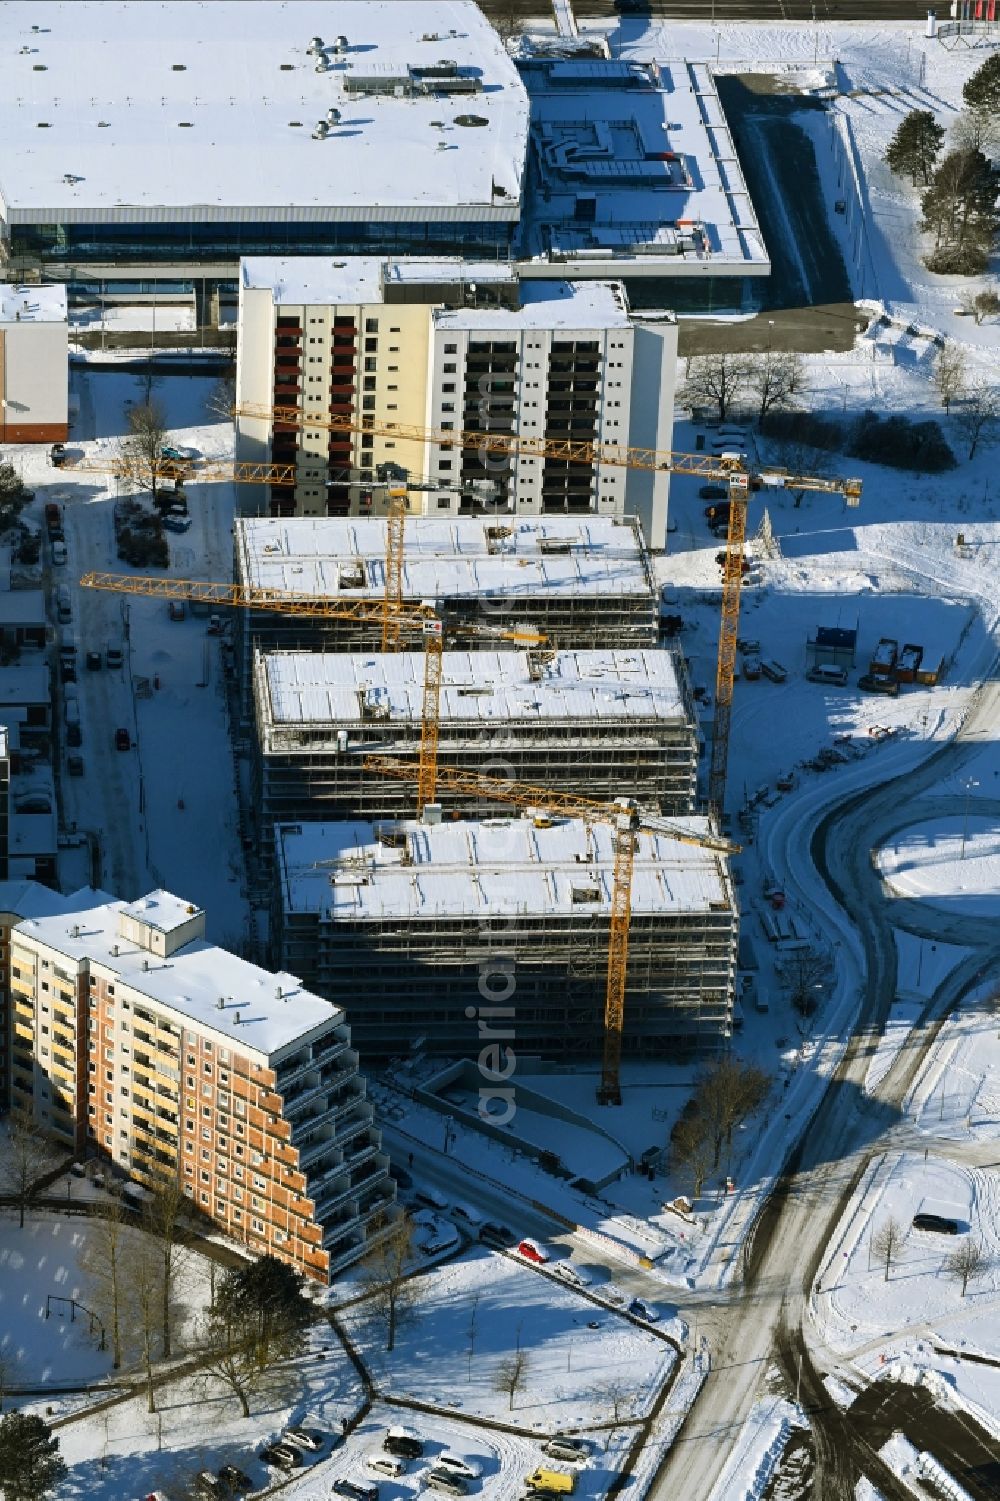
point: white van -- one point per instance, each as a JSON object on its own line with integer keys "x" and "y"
{"x": 827, "y": 673}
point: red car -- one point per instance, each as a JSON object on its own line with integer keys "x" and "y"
{"x": 123, "y": 740}
{"x": 532, "y": 1251}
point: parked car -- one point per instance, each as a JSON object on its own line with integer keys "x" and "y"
{"x": 355, "y": 1490}
{"x": 561, "y": 1447}
{"x": 176, "y": 523}
{"x": 552, "y": 1482}
{"x": 444, "y": 1480}
{"x": 59, "y": 555}
{"x": 57, "y": 455}
{"x": 176, "y": 610}
{"x": 207, "y": 1484}
{"x": 67, "y": 672}
{"x": 170, "y": 451}
{"x": 495, "y": 1234}
{"x": 74, "y": 734}
{"x": 752, "y": 668}
{"x": 773, "y": 670}
{"x": 532, "y": 1251}
{"x": 235, "y": 1479}
{"x": 305, "y": 1438}
{"x": 574, "y": 1275}
{"x": 404, "y": 1442}
{"x": 93, "y": 660}
{"x": 430, "y": 1198}
{"x": 467, "y": 1216}
{"x": 645, "y": 1311}
{"x": 459, "y": 1464}
{"x": 281, "y": 1456}
{"x": 123, "y": 740}
{"x": 386, "y": 1464}
{"x": 113, "y": 656}
{"x": 938, "y": 1223}
{"x": 873, "y": 683}
{"x": 826, "y": 672}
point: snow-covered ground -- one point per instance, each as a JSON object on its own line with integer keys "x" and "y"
{"x": 953, "y": 864}
{"x": 584, "y": 1362}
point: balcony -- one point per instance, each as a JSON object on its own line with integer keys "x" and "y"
{"x": 313, "y": 1057}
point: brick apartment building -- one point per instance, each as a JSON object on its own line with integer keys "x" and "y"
{"x": 135, "y": 1040}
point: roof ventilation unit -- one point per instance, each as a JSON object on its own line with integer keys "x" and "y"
{"x": 333, "y": 115}
{"x": 321, "y": 131}
{"x": 316, "y": 45}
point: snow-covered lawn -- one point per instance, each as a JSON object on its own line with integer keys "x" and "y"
{"x": 43, "y": 1261}
{"x": 579, "y": 1356}
{"x": 858, "y": 1306}
{"x": 953, "y": 864}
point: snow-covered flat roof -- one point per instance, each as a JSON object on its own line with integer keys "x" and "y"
{"x": 22, "y": 607}
{"x": 487, "y": 867}
{"x": 549, "y": 304}
{"x": 24, "y": 684}
{"x": 321, "y": 279}
{"x": 444, "y": 559}
{"x": 34, "y": 304}
{"x": 192, "y": 980}
{"x": 29, "y": 899}
{"x": 635, "y": 162}
{"x": 638, "y": 687}
{"x": 223, "y": 98}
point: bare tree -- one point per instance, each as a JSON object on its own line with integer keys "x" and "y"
{"x": 716, "y": 380}
{"x": 385, "y": 1272}
{"x": 966, "y": 1263}
{"x": 949, "y": 374}
{"x": 234, "y": 1358}
{"x": 806, "y": 972}
{"x": 729, "y": 1091}
{"x": 30, "y": 1155}
{"x": 141, "y": 452}
{"x": 473, "y": 1316}
{"x": 978, "y": 414}
{"x": 980, "y": 305}
{"x": 691, "y": 1148}
{"x": 618, "y": 1393}
{"x": 222, "y": 398}
{"x": 775, "y": 377}
{"x": 142, "y": 1270}
{"x": 163, "y": 1213}
{"x": 103, "y": 1262}
{"x": 886, "y": 1242}
{"x": 511, "y": 1375}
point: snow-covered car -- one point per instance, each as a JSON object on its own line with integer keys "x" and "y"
{"x": 533, "y": 1250}
{"x": 446, "y": 1238}
{"x": 445, "y": 1480}
{"x": 612, "y": 1295}
{"x": 386, "y": 1464}
{"x": 459, "y": 1464}
{"x": 59, "y": 555}
{"x": 430, "y": 1197}
{"x": 355, "y": 1490}
{"x": 236, "y": 1479}
{"x": 404, "y": 1442}
{"x": 304, "y": 1438}
{"x": 572, "y": 1449}
{"x": 574, "y": 1275}
{"x": 281, "y": 1456}
{"x": 645, "y": 1311}
{"x": 176, "y": 523}
{"x": 173, "y": 451}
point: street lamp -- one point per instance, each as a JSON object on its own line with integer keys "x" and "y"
{"x": 969, "y": 785}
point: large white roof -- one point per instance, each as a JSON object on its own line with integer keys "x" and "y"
{"x": 126, "y": 110}
{"x": 646, "y": 147}
{"x": 192, "y": 980}
{"x": 548, "y": 304}
{"x": 636, "y": 687}
{"x": 443, "y": 558}
{"x": 496, "y": 867}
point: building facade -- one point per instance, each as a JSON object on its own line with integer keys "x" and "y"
{"x": 595, "y": 723}
{"x": 34, "y": 364}
{"x": 407, "y": 918}
{"x": 134, "y": 1040}
{"x": 440, "y": 345}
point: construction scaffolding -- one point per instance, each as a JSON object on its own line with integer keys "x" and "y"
{"x": 587, "y": 722}
{"x": 414, "y": 924}
{"x": 584, "y": 582}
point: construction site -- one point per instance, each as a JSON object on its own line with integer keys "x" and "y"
{"x": 591, "y": 722}
{"x": 581, "y": 582}
{"x": 414, "y": 923}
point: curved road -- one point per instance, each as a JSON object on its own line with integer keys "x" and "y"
{"x": 768, "y": 1318}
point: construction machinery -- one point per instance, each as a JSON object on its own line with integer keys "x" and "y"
{"x": 729, "y": 467}
{"x": 422, "y": 620}
{"x": 627, "y": 822}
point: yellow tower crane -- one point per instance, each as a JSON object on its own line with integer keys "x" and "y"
{"x": 627, "y": 821}
{"x": 422, "y": 620}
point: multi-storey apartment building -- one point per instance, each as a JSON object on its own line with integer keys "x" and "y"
{"x": 440, "y": 345}
{"x": 599, "y": 723}
{"x": 34, "y": 364}
{"x": 407, "y": 918}
{"x": 134, "y": 1039}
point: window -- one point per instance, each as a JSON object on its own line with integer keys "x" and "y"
{"x": 450, "y": 368}
{"x": 371, "y": 325}
{"x": 258, "y": 1181}
{"x": 371, "y": 346}
{"x": 451, "y": 349}
{"x": 258, "y": 1226}
{"x": 205, "y": 1177}
{"x": 206, "y": 1155}
{"x": 206, "y": 1090}
{"x": 444, "y": 463}
{"x": 448, "y": 388}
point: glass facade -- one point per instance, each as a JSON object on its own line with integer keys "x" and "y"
{"x": 165, "y": 241}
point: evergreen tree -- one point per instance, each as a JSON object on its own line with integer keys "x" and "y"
{"x": 269, "y": 1299}
{"x": 915, "y": 146}
{"x": 960, "y": 210}
{"x": 30, "y": 1464}
{"x": 981, "y": 92}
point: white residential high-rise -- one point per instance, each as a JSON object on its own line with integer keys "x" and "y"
{"x": 442, "y": 345}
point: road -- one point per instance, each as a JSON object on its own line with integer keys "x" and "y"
{"x": 768, "y": 1318}
{"x": 724, "y": 11}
